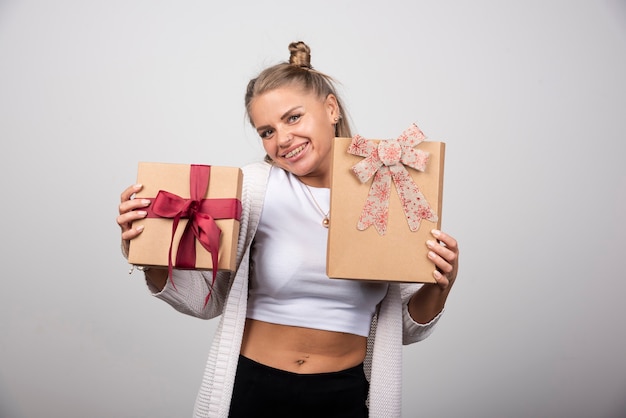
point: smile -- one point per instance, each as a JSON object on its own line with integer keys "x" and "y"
{"x": 295, "y": 151}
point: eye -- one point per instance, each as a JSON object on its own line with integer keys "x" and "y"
{"x": 266, "y": 133}
{"x": 294, "y": 118}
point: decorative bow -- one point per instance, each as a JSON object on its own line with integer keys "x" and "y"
{"x": 386, "y": 160}
{"x": 202, "y": 214}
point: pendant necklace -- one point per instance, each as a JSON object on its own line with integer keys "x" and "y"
{"x": 326, "y": 220}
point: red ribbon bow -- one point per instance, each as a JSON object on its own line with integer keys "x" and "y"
{"x": 201, "y": 213}
{"x": 386, "y": 160}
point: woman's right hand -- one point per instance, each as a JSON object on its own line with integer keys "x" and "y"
{"x": 130, "y": 211}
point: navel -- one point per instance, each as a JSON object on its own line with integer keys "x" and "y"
{"x": 301, "y": 361}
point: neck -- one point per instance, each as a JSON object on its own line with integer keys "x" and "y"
{"x": 319, "y": 182}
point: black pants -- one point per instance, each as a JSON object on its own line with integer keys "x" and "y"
{"x": 263, "y": 391}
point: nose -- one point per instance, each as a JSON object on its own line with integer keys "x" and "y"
{"x": 284, "y": 137}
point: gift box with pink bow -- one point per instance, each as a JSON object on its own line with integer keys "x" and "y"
{"x": 193, "y": 218}
{"x": 386, "y": 197}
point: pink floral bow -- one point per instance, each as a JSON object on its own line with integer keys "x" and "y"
{"x": 386, "y": 160}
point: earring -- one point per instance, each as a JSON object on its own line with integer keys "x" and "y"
{"x": 337, "y": 118}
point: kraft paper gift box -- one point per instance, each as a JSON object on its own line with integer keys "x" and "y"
{"x": 368, "y": 240}
{"x": 193, "y": 220}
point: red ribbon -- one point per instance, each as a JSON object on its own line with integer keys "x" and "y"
{"x": 201, "y": 213}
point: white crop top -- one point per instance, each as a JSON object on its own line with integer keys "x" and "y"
{"x": 288, "y": 282}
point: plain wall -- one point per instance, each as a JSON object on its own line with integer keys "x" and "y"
{"x": 529, "y": 96}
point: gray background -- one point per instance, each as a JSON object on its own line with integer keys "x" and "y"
{"x": 529, "y": 96}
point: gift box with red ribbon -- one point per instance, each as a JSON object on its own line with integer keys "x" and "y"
{"x": 386, "y": 197}
{"x": 193, "y": 219}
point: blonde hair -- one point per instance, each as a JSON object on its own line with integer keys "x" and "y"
{"x": 298, "y": 72}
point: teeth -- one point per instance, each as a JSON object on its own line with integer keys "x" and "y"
{"x": 295, "y": 151}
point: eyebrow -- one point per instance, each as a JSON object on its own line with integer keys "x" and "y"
{"x": 283, "y": 117}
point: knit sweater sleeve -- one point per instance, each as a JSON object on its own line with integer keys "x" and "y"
{"x": 187, "y": 292}
{"x": 412, "y": 331}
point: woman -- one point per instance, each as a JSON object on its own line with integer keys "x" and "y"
{"x": 281, "y": 348}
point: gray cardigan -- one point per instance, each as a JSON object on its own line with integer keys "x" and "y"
{"x": 391, "y": 326}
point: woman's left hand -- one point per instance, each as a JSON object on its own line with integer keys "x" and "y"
{"x": 444, "y": 252}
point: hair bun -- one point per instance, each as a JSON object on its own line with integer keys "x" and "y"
{"x": 300, "y": 54}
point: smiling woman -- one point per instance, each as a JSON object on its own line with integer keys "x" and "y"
{"x": 297, "y": 130}
{"x": 298, "y": 82}
{"x": 291, "y": 342}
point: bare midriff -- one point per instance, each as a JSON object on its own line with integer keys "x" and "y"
{"x": 301, "y": 350}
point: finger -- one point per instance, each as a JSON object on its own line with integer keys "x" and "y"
{"x": 443, "y": 257}
{"x": 127, "y": 201}
{"x": 133, "y": 205}
{"x": 130, "y": 191}
{"x": 442, "y": 251}
{"x": 131, "y": 233}
{"x": 441, "y": 280}
{"x": 125, "y": 220}
{"x": 130, "y": 208}
{"x": 441, "y": 263}
{"x": 445, "y": 239}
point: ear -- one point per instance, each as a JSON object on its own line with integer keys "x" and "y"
{"x": 332, "y": 108}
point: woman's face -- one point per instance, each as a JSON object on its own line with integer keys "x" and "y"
{"x": 297, "y": 130}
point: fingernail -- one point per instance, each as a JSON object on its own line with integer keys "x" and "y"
{"x": 430, "y": 243}
{"x": 142, "y": 213}
{"x": 436, "y": 233}
{"x": 437, "y": 275}
{"x": 139, "y": 228}
{"x": 138, "y": 186}
{"x": 145, "y": 201}
{"x": 431, "y": 255}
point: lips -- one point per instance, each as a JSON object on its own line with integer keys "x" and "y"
{"x": 295, "y": 151}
